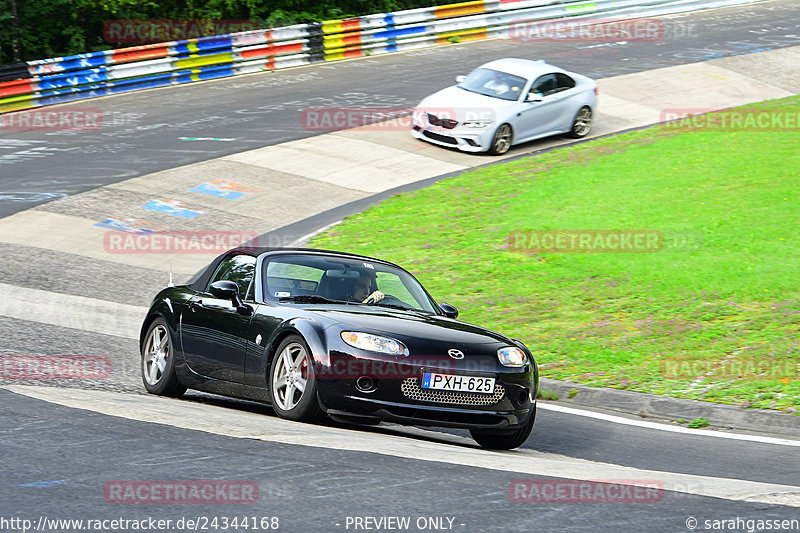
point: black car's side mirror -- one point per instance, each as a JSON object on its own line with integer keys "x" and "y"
{"x": 228, "y": 290}
{"x": 224, "y": 290}
{"x": 449, "y": 310}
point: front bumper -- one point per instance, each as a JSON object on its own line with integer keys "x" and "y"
{"x": 401, "y": 399}
{"x": 464, "y": 139}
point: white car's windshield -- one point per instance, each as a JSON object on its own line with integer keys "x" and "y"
{"x": 494, "y": 83}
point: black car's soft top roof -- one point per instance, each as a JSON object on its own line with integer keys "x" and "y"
{"x": 200, "y": 280}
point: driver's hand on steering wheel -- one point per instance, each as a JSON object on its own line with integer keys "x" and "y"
{"x": 375, "y": 297}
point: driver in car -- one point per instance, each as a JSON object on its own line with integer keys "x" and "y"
{"x": 362, "y": 288}
{"x": 498, "y": 84}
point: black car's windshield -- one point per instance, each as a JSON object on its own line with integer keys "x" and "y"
{"x": 493, "y": 83}
{"x": 332, "y": 279}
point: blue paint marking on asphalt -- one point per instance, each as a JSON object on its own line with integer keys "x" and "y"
{"x": 128, "y": 225}
{"x": 752, "y": 51}
{"x": 215, "y": 190}
{"x": 38, "y": 484}
{"x": 171, "y": 207}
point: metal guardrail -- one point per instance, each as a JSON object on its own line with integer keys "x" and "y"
{"x": 64, "y": 79}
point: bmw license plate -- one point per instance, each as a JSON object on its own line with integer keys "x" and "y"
{"x": 457, "y": 383}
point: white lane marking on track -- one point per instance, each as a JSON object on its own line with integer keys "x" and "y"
{"x": 664, "y": 427}
{"x": 305, "y": 238}
{"x": 240, "y": 424}
{"x": 71, "y": 311}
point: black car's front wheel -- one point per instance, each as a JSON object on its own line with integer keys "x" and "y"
{"x": 158, "y": 361}
{"x": 501, "y": 141}
{"x": 293, "y": 385}
{"x": 504, "y": 439}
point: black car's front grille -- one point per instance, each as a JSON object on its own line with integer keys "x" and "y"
{"x": 441, "y": 138}
{"x": 412, "y": 390}
{"x": 443, "y": 122}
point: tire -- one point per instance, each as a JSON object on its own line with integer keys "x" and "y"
{"x": 504, "y": 439}
{"x": 501, "y": 141}
{"x": 158, "y": 361}
{"x": 581, "y": 124}
{"x": 291, "y": 366}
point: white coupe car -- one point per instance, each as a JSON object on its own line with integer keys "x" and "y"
{"x": 507, "y": 102}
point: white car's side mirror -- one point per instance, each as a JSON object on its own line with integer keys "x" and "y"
{"x": 533, "y": 97}
{"x": 460, "y": 79}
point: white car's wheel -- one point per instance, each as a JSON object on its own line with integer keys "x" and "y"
{"x": 501, "y": 141}
{"x": 582, "y": 124}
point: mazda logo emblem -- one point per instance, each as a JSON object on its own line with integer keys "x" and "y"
{"x": 455, "y": 354}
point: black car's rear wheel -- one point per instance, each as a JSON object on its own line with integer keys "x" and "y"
{"x": 293, "y": 385}
{"x": 504, "y": 439}
{"x": 158, "y": 361}
{"x": 501, "y": 141}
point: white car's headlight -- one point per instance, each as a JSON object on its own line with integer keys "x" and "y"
{"x": 513, "y": 357}
{"x": 477, "y": 123}
{"x": 374, "y": 343}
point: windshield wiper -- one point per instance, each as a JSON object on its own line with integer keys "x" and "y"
{"x": 394, "y": 306}
{"x": 310, "y": 299}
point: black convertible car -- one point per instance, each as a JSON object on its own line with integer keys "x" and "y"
{"x": 319, "y": 333}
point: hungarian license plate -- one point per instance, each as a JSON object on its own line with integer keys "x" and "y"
{"x": 451, "y": 382}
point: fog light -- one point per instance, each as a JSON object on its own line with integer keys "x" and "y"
{"x": 365, "y": 384}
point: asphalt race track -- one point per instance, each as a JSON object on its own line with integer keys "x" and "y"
{"x": 58, "y": 460}
{"x": 149, "y": 131}
{"x": 65, "y": 441}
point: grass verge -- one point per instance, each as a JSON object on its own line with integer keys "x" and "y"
{"x": 713, "y": 315}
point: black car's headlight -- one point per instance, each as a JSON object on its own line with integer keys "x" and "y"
{"x": 513, "y": 357}
{"x": 374, "y": 343}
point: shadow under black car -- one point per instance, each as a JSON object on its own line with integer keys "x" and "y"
{"x": 392, "y": 429}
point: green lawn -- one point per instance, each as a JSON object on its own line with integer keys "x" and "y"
{"x": 713, "y": 315}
